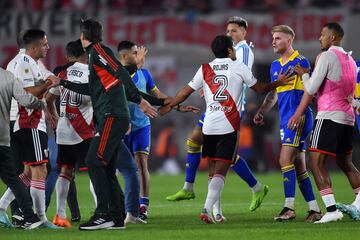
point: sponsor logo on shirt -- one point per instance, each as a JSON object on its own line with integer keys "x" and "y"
{"x": 220, "y": 108}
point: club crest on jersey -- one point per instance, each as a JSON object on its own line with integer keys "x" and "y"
{"x": 103, "y": 60}
{"x": 276, "y": 73}
{"x": 26, "y": 70}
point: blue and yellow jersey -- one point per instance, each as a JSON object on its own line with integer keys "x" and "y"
{"x": 289, "y": 96}
{"x": 357, "y": 91}
{"x": 145, "y": 83}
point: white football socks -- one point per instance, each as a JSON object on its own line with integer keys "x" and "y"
{"x": 62, "y": 190}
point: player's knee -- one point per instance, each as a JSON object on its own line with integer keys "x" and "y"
{"x": 345, "y": 165}
{"x": 193, "y": 146}
{"x": 68, "y": 172}
{"x": 39, "y": 171}
{"x": 285, "y": 162}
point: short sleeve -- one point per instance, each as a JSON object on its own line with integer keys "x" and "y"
{"x": 150, "y": 83}
{"x": 197, "y": 82}
{"x": 24, "y": 74}
{"x": 246, "y": 74}
{"x": 272, "y": 78}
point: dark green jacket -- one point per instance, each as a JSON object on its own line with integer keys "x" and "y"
{"x": 110, "y": 84}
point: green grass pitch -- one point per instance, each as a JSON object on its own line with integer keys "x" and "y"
{"x": 180, "y": 220}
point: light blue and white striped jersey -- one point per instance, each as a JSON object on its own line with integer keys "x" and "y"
{"x": 244, "y": 54}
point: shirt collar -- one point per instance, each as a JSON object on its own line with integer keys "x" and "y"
{"x": 240, "y": 43}
{"x": 292, "y": 57}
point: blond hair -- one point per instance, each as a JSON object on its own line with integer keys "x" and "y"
{"x": 283, "y": 29}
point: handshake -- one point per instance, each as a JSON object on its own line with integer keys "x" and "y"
{"x": 151, "y": 111}
{"x": 168, "y": 106}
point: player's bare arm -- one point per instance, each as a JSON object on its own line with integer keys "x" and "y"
{"x": 283, "y": 79}
{"x": 55, "y": 81}
{"x": 38, "y": 90}
{"x": 304, "y": 103}
{"x": 181, "y": 96}
{"x": 53, "y": 115}
{"x": 269, "y": 102}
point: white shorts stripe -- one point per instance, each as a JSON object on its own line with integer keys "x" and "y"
{"x": 316, "y": 133}
{"x": 37, "y": 144}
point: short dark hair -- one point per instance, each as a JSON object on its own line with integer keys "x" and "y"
{"x": 239, "y": 21}
{"x": 220, "y": 46}
{"x": 125, "y": 45}
{"x": 32, "y": 36}
{"x": 92, "y": 30}
{"x": 20, "y": 39}
{"x": 74, "y": 49}
{"x": 335, "y": 27}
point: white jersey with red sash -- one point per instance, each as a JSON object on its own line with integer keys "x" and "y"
{"x": 76, "y": 114}
{"x": 30, "y": 74}
{"x": 222, "y": 81}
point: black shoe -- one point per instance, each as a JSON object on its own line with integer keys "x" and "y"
{"x": 75, "y": 219}
{"x": 118, "y": 224}
{"x": 17, "y": 219}
{"x": 97, "y": 221}
{"x": 31, "y": 223}
{"x": 143, "y": 213}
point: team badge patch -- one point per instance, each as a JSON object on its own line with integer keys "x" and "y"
{"x": 26, "y": 70}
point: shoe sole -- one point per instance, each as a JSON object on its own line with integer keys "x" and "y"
{"x": 284, "y": 219}
{"x": 339, "y": 219}
{"x": 313, "y": 219}
{"x": 221, "y": 221}
{"x": 115, "y": 228}
{"x": 63, "y": 225}
{"x": 135, "y": 222}
{"x": 105, "y": 225}
{"x": 180, "y": 199}
{"x": 34, "y": 225}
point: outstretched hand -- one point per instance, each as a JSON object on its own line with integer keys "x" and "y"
{"x": 149, "y": 110}
{"x": 140, "y": 56}
{"x": 189, "y": 108}
{"x": 55, "y": 81}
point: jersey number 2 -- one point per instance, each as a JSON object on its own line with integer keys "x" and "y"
{"x": 219, "y": 94}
